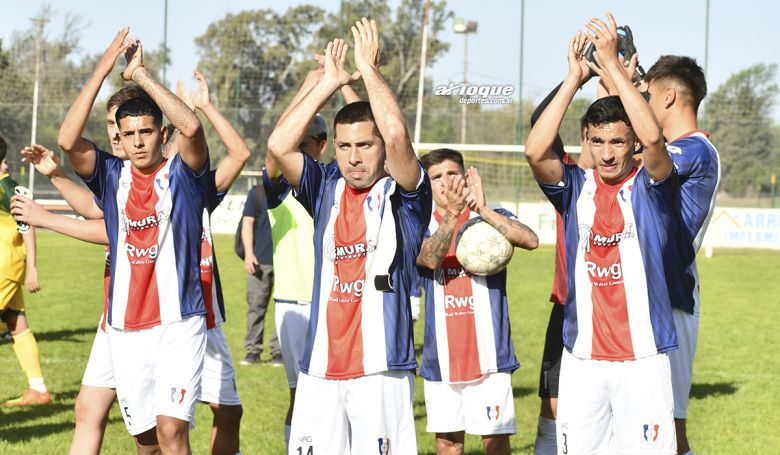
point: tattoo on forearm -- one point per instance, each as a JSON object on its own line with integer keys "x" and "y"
{"x": 437, "y": 245}
{"x": 173, "y": 108}
{"x": 521, "y": 226}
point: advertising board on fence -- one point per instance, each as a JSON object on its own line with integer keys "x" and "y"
{"x": 729, "y": 227}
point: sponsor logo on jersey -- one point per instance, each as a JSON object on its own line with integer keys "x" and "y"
{"x": 452, "y": 302}
{"x": 149, "y": 252}
{"x": 349, "y": 287}
{"x": 148, "y": 222}
{"x": 588, "y": 237}
{"x": 651, "y": 432}
{"x": 384, "y": 446}
{"x": 177, "y": 395}
{"x": 442, "y": 275}
{"x": 493, "y": 412}
{"x": 374, "y": 202}
{"x": 339, "y": 253}
{"x": 614, "y": 271}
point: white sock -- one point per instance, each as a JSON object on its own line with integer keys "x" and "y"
{"x": 287, "y": 437}
{"x": 546, "y": 442}
{"x": 37, "y": 384}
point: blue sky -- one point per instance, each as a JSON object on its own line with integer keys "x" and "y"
{"x": 741, "y": 33}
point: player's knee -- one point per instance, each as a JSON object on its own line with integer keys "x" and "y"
{"x": 88, "y": 414}
{"x": 172, "y": 432}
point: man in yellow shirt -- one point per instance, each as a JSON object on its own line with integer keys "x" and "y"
{"x": 17, "y": 265}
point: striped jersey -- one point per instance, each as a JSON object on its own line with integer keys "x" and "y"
{"x": 559, "y": 290}
{"x": 617, "y": 236}
{"x": 467, "y": 332}
{"x": 365, "y": 246}
{"x": 209, "y": 273}
{"x": 154, "y": 226}
{"x": 698, "y": 165}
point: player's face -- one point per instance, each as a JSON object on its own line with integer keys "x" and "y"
{"x": 612, "y": 146}
{"x": 4, "y": 166}
{"x": 312, "y": 147}
{"x": 657, "y": 100}
{"x": 113, "y": 134}
{"x": 440, "y": 175}
{"x": 142, "y": 140}
{"x": 360, "y": 153}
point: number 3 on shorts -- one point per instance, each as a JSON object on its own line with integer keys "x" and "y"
{"x": 565, "y": 447}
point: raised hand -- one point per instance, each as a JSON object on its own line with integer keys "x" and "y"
{"x": 134, "y": 54}
{"x": 335, "y": 56}
{"x": 366, "y": 34}
{"x": 604, "y": 38}
{"x": 578, "y": 66}
{"x": 44, "y": 160}
{"x": 201, "y": 96}
{"x": 455, "y": 192}
{"x": 183, "y": 95}
{"x": 476, "y": 198}
{"x": 118, "y": 45}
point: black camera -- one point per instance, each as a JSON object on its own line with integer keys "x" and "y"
{"x": 626, "y": 48}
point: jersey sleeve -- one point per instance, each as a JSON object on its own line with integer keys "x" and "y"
{"x": 107, "y": 167}
{"x": 562, "y": 195}
{"x": 195, "y": 183}
{"x": 275, "y": 189}
{"x": 699, "y": 170}
{"x": 212, "y": 196}
{"x": 312, "y": 184}
{"x": 249, "y": 205}
{"x": 415, "y": 215}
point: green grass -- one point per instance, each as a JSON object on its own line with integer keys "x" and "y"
{"x": 735, "y": 396}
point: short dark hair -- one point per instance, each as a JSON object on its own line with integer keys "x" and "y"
{"x": 683, "y": 70}
{"x": 124, "y": 94}
{"x": 606, "y": 110}
{"x": 136, "y": 107}
{"x": 3, "y": 148}
{"x": 439, "y": 156}
{"x": 359, "y": 111}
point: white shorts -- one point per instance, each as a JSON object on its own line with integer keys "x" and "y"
{"x": 158, "y": 371}
{"x": 99, "y": 371}
{"x": 374, "y": 411}
{"x": 624, "y": 407}
{"x": 218, "y": 381}
{"x": 292, "y": 325}
{"x": 483, "y": 407}
{"x": 681, "y": 359}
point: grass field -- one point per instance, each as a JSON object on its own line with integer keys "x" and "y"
{"x": 734, "y": 401}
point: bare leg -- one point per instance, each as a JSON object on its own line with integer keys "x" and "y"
{"x": 682, "y": 436}
{"x": 497, "y": 444}
{"x": 146, "y": 443}
{"x": 173, "y": 435}
{"x": 225, "y": 429}
{"x": 92, "y": 407}
{"x": 450, "y": 443}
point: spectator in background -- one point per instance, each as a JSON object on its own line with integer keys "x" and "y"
{"x": 258, "y": 262}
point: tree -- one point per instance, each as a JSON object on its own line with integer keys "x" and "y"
{"x": 738, "y": 115}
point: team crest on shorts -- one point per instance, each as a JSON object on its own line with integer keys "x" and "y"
{"x": 651, "y": 432}
{"x": 384, "y": 446}
{"x": 177, "y": 395}
{"x": 493, "y": 412}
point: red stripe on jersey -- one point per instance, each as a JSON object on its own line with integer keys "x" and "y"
{"x": 459, "y": 315}
{"x": 207, "y": 278}
{"x": 344, "y": 314}
{"x": 106, "y": 288}
{"x": 560, "y": 291}
{"x": 611, "y": 331}
{"x": 142, "y": 248}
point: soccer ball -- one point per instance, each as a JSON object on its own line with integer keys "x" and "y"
{"x": 481, "y": 249}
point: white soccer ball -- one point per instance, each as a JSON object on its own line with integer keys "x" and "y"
{"x": 481, "y": 249}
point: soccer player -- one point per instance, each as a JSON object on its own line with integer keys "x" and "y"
{"x": 218, "y": 380}
{"x": 370, "y": 209}
{"x": 292, "y": 230}
{"x": 17, "y": 265}
{"x": 468, "y": 356}
{"x": 615, "y": 385}
{"x": 153, "y": 214}
{"x": 676, "y": 87}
